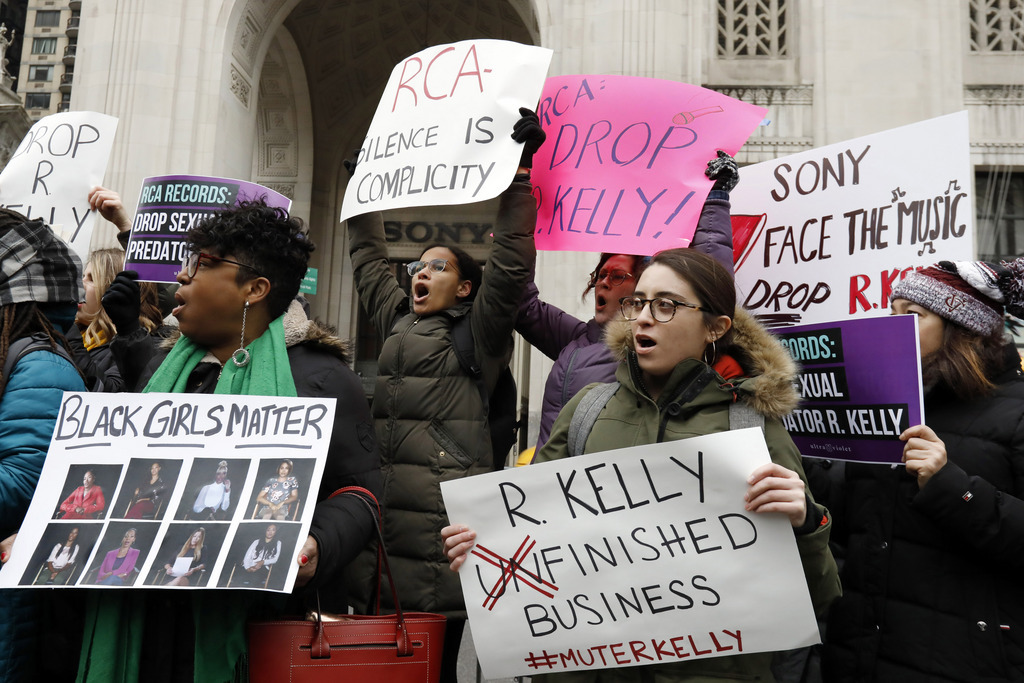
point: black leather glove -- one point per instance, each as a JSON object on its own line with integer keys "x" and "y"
{"x": 528, "y": 131}
{"x": 724, "y": 171}
{"x": 350, "y": 164}
{"x": 121, "y": 301}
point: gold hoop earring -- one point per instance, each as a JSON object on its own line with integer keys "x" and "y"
{"x": 241, "y": 355}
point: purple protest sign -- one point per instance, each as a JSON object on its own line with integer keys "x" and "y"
{"x": 860, "y": 387}
{"x": 169, "y": 206}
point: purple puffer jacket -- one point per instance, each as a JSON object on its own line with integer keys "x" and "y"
{"x": 580, "y": 356}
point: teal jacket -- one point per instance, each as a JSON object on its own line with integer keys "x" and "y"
{"x": 28, "y": 412}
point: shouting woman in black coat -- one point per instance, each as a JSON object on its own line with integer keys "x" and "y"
{"x": 935, "y": 551}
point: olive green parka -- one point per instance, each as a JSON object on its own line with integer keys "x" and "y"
{"x": 633, "y": 418}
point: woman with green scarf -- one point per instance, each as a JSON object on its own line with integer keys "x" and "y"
{"x": 241, "y": 332}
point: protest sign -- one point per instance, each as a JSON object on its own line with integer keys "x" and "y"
{"x": 624, "y": 558}
{"x": 171, "y": 205}
{"x": 442, "y": 130}
{"x": 174, "y": 491}
{"x": 50, "y": 174}
{"x": 622, "y": 170}
{"x": 825, "y": 234}
{"x": 860, "y": 387}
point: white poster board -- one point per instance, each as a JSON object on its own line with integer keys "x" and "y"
{"x": 50, "y": 174}
{"x": 825, "y": 234}
{"x": 631, "y": 557}
{"x": 442, "y": 131}
{"x": 216, "y": 456}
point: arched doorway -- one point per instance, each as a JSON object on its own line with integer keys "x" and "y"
{"x": 320, "y": 67}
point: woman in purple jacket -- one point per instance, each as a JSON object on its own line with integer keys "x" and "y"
{"x": 576, "y": 346}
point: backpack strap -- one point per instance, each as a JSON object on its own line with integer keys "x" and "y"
{"x": 590, "y": 406}
{"x": 20, "y": 348}
{"x": 465, "y": 351}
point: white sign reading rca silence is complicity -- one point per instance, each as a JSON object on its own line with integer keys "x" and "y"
{"x": 637, "y": 556}
{"x": 442, "y": 130}
{"x": 49, "y": 176}
{"x": 175, "y": 491}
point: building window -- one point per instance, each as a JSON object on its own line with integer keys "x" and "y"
{"x": 997, "y": 26}
{"x": 40, "y": 73}
{"x": 44, "y": 46}
{"x": 48, "y": 18}
{"x": 1000, "y": 202}
{"x": 37, "y": 100}
{"x": 753, "y": 29}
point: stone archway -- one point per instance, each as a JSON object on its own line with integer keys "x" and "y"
{"x": 337, "y": 55}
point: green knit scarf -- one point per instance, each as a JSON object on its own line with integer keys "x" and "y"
{"x": 267, "y": 374}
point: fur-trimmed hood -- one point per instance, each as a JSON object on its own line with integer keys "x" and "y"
{"x": 298, "y": 329}
{"x": 769, "y": 371}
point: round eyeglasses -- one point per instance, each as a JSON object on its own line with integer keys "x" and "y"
{"x": 190, "y": 264}
{"x": 662, "y": 309}
{"x": 436, "y": 266}
{"x": 614, "y": 277}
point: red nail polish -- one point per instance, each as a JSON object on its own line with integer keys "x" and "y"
{"x": 3, "y": 556}
{"x": 303, "y": 559}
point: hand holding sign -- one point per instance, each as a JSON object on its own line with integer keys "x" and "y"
{"x": 924, "y": 454}
{"x": 122, "y": 302}
{"x": 422, "y": 149}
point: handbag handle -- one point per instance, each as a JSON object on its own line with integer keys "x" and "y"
{"x": 320, "y": 646}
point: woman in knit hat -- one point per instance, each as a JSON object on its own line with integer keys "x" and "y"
{"x": 39, "y": 293}
{"x": 935, "y": 550}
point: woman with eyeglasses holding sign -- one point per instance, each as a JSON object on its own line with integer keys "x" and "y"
{"x": 430, "y": 417}
{"x": 687, "y": 354}
{"x": 576, "y": 346}
{"x": 242, "y": 333}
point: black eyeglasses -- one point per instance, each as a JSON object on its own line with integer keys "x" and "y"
{"x": 662, "y": 309}
{"x": 190, "y": 264}
{"x": 615, "y": 277}
{"x": 436, "y": 266}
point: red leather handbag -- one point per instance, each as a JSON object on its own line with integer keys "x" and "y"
{"x": 404, "y": 647}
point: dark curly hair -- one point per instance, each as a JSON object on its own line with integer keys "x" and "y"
{"x": 266, "y": 238}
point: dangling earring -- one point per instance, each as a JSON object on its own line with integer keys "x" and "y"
{"x": 241, "y": 355}
{"x": 714, "y": 352}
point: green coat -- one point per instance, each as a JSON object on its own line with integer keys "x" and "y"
{"x": 427, "y": 410}
{"x": 632, "y": 418}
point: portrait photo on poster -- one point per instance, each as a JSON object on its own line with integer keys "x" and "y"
{"x": 62, "y": 553}
{"x": 147, "y": 489}
{"x": 86, "y": 490}
{"x": 188, "y": 553}
{"x": 282, "y": 486}
{"x": 212, "y": 490}
{"x": 121, "y": 553}
{"x": 260, "y": 555}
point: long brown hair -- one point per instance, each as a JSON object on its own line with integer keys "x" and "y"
{"x": 106, "y": 264}
{"x": 965, "y": 361}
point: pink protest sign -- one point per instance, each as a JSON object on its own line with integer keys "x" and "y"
{"x": 623, "y": 166}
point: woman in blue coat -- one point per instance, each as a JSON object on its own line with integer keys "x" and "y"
{"x": 39, "y": 291}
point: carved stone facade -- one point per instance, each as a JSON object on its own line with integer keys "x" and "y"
{"x": 282, "y": 91}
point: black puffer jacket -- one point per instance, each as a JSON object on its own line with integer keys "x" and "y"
{"x": 428, "y": 413}
{"x": 932, "y": 585}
